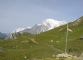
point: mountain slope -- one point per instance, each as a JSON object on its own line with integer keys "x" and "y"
{"x": 3, "y": 35}
{"x": 43, "y": 45}
{"x": 46, "y": 25}
{"x": 58, "y": 36}
{"x": 78, "y": 21}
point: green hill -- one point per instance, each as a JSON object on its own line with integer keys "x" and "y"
{"x": 44, "y": 45}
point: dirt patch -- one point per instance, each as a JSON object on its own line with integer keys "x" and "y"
{"x": 33, "y": 40}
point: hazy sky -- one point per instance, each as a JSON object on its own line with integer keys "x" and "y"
{"x": 23, "y": 13}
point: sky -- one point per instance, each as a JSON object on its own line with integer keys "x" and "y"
{"x": 16, "y": 14}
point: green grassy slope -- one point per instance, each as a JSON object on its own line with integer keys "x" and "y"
{"x": 43, "y": 45}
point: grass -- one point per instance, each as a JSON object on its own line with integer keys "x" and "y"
{"x": 23, "y": 48}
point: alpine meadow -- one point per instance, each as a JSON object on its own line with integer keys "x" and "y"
{"x": 45, "y": 45}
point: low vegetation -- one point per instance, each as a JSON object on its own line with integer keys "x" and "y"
{"x": 44, "y": 45}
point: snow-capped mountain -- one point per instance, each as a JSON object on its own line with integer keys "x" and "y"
{"x": 13, "y": 34}
{"x": 51, "y": 23}
{"x": 45, "y": 26}
{"x": 18, "y": 30}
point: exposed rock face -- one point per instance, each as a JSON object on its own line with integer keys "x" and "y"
{"x": 46, "y": 25}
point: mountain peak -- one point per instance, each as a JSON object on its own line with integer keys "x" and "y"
{"x": 28, "y": 27}
{"x": 51, "y": 23}
{"x": 46, "y": 25}
{"x": 49, "y": 20}
{"x": 18, "y": 30}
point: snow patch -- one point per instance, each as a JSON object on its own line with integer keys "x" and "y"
{"x": 28, "y": 27}
{"x": 46, "y": 25}
{"x": 18, "y": 30}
